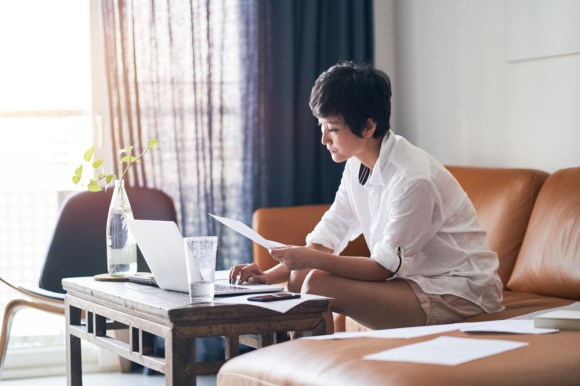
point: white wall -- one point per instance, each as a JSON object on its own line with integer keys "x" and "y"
{"x": 457, "y": 94}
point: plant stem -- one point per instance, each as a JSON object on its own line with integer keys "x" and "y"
{"x": 132, "y": 162}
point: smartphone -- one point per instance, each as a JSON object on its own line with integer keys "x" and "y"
{"x": 143, "y": 278}
{"x": 274, "y": 297}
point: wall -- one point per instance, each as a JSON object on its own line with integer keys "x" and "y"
{"x": 459, "y": 93}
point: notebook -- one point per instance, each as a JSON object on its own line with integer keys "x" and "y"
{"x": 161, "y": 244}
{"x": 562, "y": 319}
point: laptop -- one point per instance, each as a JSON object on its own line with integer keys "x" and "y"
{"x": 161, "y": 244}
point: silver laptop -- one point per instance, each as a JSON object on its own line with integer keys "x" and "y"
{"x": 161, "y": 244}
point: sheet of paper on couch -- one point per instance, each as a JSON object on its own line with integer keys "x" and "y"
{"x": 446, "y": 350}
{"x": 405, "y": 332}
{"x": 280, "y": 306}
{"x": 570, "y": 307}
{"x": 509, "y": 326}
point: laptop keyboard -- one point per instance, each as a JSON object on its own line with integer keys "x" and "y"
{"x": 228, "y": 287}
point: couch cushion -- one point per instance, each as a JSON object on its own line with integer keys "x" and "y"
{"x": 503, "y": 200}
{"x": 515, "y": 303}
{"x": 521, "y": 303}
{"x": 549, "y": 260}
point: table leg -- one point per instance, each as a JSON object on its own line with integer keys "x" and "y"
{"x": 74, "y": 369}
{"x": 267, "y": 339}
{"x": 232, "y": 347}
{"x": 320, "y": 328}
{"x": 179, "y": 357}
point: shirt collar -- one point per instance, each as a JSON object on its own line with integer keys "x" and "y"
{"x": 376, "y": 177}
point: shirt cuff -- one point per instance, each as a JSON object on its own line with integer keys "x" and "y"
{"x": 387, "y": 257}
{"x": 327, "y": 242}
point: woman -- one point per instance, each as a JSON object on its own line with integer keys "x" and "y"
{"x": 430, "y": 261}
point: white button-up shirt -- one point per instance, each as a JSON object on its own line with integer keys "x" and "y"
{"x": 412, "y": 202}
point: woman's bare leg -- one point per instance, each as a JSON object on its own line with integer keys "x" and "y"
{"x": 384, "y": 304}
{"x": 297, "y": 279}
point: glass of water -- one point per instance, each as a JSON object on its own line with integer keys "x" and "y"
{"x": 200, "y": 256}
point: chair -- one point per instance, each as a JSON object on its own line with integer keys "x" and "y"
{"x": 77, "y": 248}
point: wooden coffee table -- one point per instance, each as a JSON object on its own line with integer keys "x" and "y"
{"x": 95, "y": 308}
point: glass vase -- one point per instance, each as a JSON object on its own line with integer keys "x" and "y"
{"x": 121, "y": 246}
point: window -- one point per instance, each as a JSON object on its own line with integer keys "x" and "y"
{"x": 45, "y": 125}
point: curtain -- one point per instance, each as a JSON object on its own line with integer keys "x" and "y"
{"x": 177, "y": 71}
{"x": 306, "y": 37}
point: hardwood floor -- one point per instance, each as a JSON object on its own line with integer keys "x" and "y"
{"x": 109, "y": 379}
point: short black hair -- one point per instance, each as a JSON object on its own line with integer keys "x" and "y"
{"x": 356, "y": 92}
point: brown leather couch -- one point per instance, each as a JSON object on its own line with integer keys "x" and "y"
{"x": 533, "y": 223}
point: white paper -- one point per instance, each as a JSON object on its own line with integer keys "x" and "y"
{"x": 446, "y": 350}
{"x": 281, "y": 306}
{"x": 572, "y": 307}
{"x": 248, "y": 232}
{"x": 509, "y": 326}
{"x": 405, "y": 332}
{"x": 562, "y": 314}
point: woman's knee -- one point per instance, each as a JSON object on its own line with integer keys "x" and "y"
{"x": 317, "y": 282}
{"x": 297, "y": 279}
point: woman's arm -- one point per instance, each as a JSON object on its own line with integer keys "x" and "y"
{"x": 243, "y": 273}
{"x": 351, "y": 267}
{"x": 280, "y": 273}
{"x": 277, "y": 274}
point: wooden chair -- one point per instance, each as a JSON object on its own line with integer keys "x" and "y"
{"x": 77, "y": 248}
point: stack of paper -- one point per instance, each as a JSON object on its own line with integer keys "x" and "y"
{"x": 562, "y": 319}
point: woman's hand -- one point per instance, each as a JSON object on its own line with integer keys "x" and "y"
{"x": 248, "y": 273}
{"x": 294, "y": 257}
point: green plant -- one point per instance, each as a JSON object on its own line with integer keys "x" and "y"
{"x": 126, "y": 160}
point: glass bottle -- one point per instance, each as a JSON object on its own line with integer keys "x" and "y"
{"x": 121, "y": 246}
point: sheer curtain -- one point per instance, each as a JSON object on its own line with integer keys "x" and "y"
{"x": 184, "y": 72}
